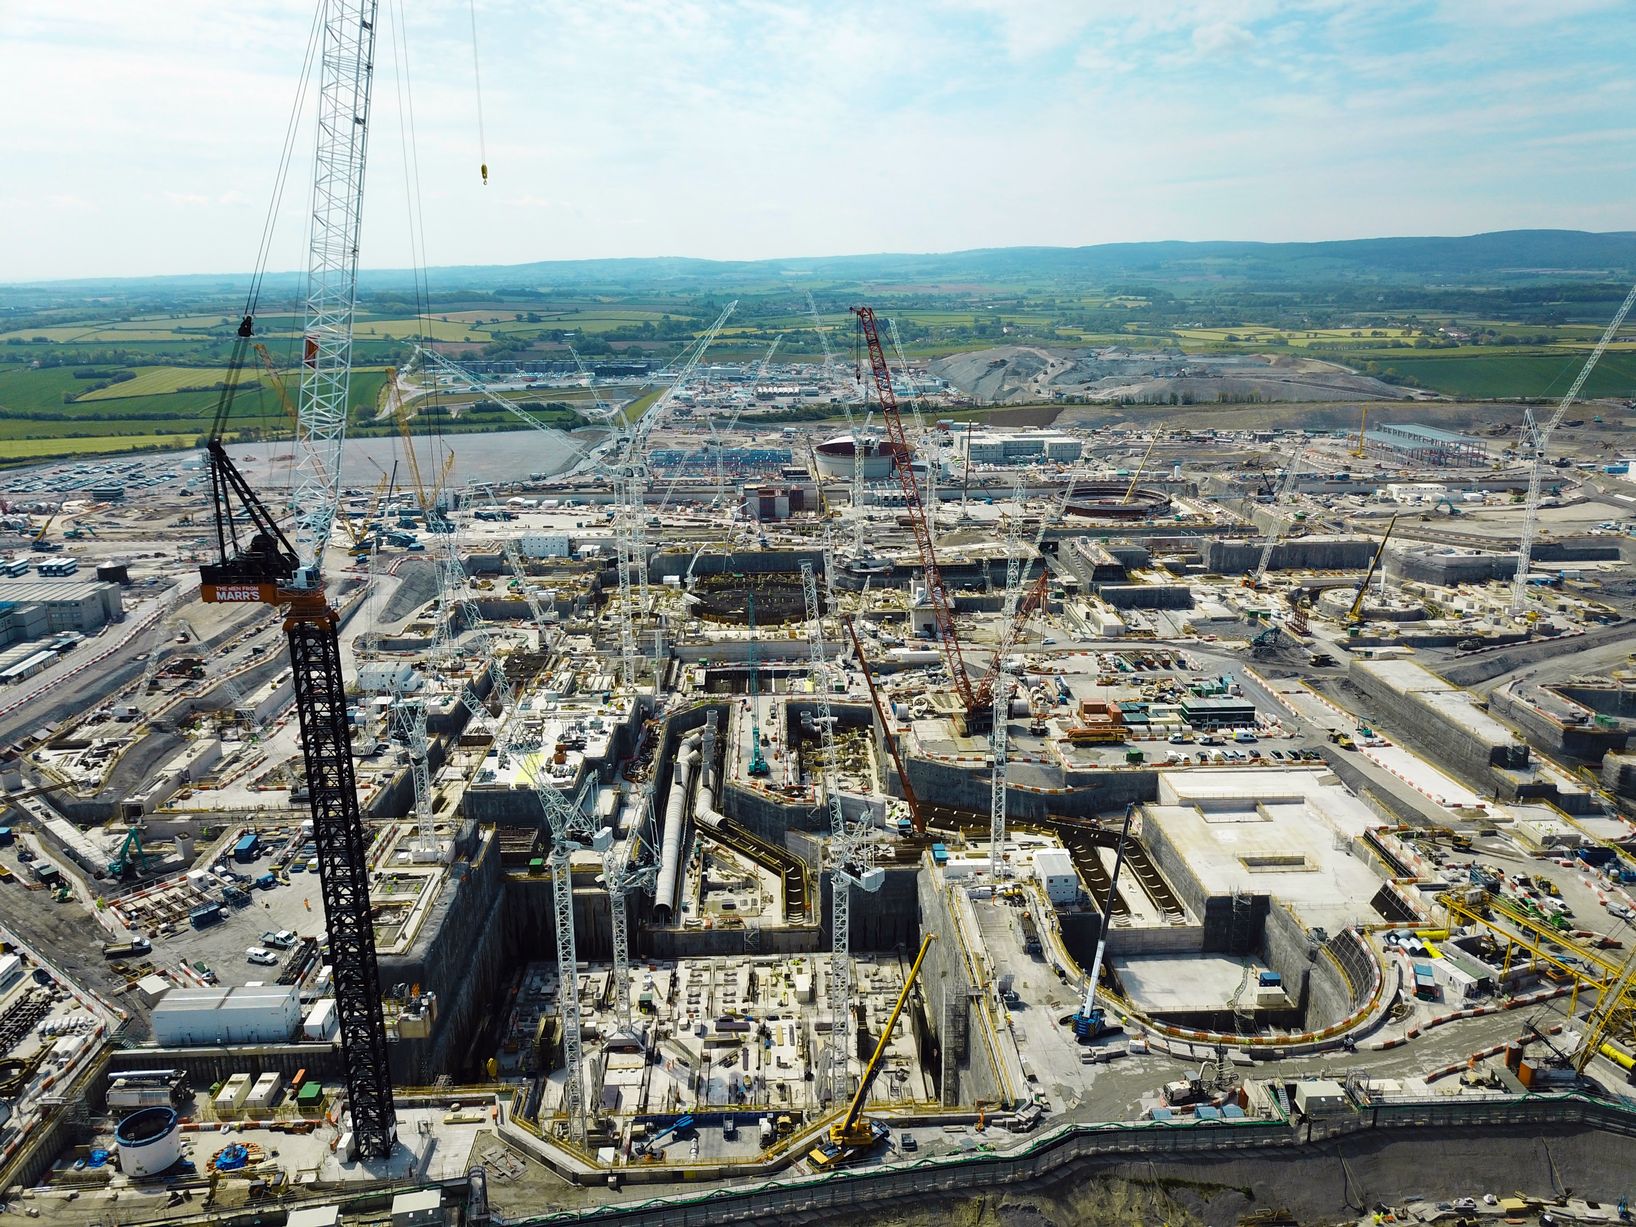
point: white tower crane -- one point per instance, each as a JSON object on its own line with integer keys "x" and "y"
{"x": 1535, "y": 439}
{"x": 409, "y": 721}
{"x": 629, "y": 473}
{"x": 622, "y": 874}
{"x": 996, "y": 798}
{"x": 1286, "y": 484}
{"x": 823, "y": 336}
{"x": 849, "y": 855}
{"x": 571, "y": 830}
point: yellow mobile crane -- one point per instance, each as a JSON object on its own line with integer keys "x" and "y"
{"x": 1612, "y": 1014}
{"x": 853, "y": 1137}
{"x": 1352, "y": 615}
{"x": 426, "y": 496}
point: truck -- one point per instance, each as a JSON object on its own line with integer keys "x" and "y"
{"x": 133, "y": 949}
{"x": 148, "y": 1088}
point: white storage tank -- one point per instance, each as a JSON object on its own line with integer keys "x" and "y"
{"x": 149, "y": 1142}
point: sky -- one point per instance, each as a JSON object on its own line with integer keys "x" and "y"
{"x": 144, "y": 136}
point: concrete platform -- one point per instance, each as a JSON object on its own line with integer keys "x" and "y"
{"x": 1287, "y": 833}
{"x": 1167, "y": 983}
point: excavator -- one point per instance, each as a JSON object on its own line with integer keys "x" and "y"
{"x": 854, "y": 1138}
{"x": 132, "y": 857}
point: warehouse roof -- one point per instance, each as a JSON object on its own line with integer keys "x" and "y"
{"x": 22, "y": 591}
{"x": 226, "y": 998}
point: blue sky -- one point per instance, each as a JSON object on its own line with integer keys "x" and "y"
{"x": 145, "y": 133}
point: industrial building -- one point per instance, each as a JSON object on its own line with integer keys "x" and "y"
{"x": 1432, "y": 446}
{"x": 1017, "y": 447}
{"x": 32, "y": 609}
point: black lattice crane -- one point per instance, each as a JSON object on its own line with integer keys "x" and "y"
{"x": 257, "y": 562}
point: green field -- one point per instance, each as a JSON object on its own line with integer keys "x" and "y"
{"x": 1480, "y": 373}
{"x": 159, "y": 380}
{"x": 35, "y": 420}
{"x": 42, "y": 449}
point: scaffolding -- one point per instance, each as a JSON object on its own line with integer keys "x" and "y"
{"x": 1243, "y": 928}
{"x": 1426, "y": 445}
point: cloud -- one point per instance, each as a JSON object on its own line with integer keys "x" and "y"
{"x": 745, "y": 128}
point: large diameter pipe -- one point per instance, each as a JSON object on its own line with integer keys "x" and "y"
{"x": 670, "y": 858}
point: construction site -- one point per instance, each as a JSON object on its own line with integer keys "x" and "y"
{"x": 677, "y": 823}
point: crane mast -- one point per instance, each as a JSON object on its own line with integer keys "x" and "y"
{"x": 1271, "y": 539}
{"x": 1539, "y": 437}
{"x": 332, "y": 271}
{"x": 265, "y": 566}
{"x": 848, "y": 854}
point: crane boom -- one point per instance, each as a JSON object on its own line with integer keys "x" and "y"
{"x": 847, "y": 1137}
{"x": 936, "y": 592}
{"x": 1536, "y": 475}
{"x": 332, "y": 270}
{"x": 1271, "y": 538}
{"x": 1088, "y": 1022}
{"x": 916, "y": 818}
{"x": 1380, "y": 552}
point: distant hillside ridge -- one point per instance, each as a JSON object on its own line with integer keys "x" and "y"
{"x": 1501, "y": 257}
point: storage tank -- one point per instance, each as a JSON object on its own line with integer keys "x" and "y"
{"x": 149, "y": 1142}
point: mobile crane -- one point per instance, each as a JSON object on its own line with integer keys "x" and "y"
{"x": 1354, "y": 614}
{"x": 1091, "y": 1020}
{"x": 853, "y": 1137}
{"x": 258, "y": 564}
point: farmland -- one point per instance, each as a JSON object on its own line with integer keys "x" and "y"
{"x": 141, "y": 361}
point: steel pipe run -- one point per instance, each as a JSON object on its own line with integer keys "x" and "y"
{"x": 670, "y": 859}
{"x": 704, "y": 801}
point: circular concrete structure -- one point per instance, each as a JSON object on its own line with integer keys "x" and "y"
{"x": 1105, "y": 500}
{"x": 149, "y": 1141}
{"x": 836, "y": 457}
{"x": 1335, "y": 602}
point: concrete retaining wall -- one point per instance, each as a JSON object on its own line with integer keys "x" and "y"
{"x": 1584, "y": 741}
{"x": 461, "y": 956}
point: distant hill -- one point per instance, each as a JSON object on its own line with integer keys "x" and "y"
{"x": 1505, "y": 257}
{"x": 1508, "y": 256}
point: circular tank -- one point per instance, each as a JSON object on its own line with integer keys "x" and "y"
{"x": 836, "y": 457}
{"x": 1337, "y": 603}
{"x": 1116, "y": 501}
{"x": 149, "y": 1141}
